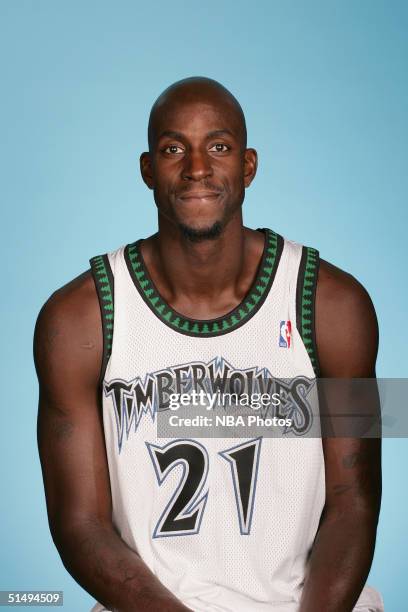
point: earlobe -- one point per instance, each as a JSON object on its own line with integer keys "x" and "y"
{"x": 146, "y": 169}
{"x": 250, "y": 166}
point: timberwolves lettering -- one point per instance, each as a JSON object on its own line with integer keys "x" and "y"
{"x": 135, "y": 399}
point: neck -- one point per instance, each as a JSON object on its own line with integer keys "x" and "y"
{"x": 203, "y": 279}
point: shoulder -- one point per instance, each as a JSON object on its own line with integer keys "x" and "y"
{"x": 68, "y": 326}
{"x": 346, "y": 324}
{"x": 75, "y": 302}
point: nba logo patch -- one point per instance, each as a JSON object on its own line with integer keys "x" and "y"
{"x": 285, "y": 334}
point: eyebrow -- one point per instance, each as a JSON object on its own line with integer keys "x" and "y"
{"x": 180, "y": 136}
{"x": 220, "y": 133}
{"x": 171, "y": 134}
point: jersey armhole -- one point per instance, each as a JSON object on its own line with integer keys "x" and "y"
{"x": 103, "y": 278}
{"x": 306, "y": 303}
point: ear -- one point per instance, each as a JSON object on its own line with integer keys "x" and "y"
{"x": 250, "y": 166}
{"x": 146, "y": 169}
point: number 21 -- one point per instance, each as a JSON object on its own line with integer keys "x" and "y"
{"x": 185, "y": 509}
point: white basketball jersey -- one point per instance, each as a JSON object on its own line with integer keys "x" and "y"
{"x": 225, "y": 523}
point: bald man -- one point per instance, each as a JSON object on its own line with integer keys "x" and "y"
{"x": 197, "y": 520}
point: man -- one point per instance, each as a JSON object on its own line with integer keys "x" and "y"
{"x": 146, "y": 523}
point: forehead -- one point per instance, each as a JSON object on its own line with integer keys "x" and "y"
{"x": 197, "y": 117}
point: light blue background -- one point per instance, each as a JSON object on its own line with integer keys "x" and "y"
{"x": 324, "y": 88}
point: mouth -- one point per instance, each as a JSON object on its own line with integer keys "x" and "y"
{"x": 200, "y": 196}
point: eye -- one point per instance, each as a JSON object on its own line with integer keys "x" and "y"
{"x": 220, "y": 147}
{"x": 173, "y": 149}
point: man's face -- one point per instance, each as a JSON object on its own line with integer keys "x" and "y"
{"x": 197, "y": 165}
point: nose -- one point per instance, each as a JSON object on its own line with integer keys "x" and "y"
{"x": 197, "y": 166}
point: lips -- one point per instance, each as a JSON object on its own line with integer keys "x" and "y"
{"x": 199, "y": 195}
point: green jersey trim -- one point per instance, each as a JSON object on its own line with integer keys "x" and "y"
{"x": 210, "y": 327}
{"x": 306, "y": 303}
{"x": 103, "y": 278}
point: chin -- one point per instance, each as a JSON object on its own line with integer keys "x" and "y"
{"x": 199, "y": 234}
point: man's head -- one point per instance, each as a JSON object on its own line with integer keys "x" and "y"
{"x": 198, "y": 165}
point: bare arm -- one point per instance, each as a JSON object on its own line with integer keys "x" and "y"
{"x": 68, "y": 354}
{"x": 347, "y": 341}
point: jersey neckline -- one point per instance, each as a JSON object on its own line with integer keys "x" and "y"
{"x": 206, "y": 328}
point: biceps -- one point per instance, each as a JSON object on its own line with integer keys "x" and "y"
{"x": 353, "y": 474}
{"x": 73, "y": 460}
